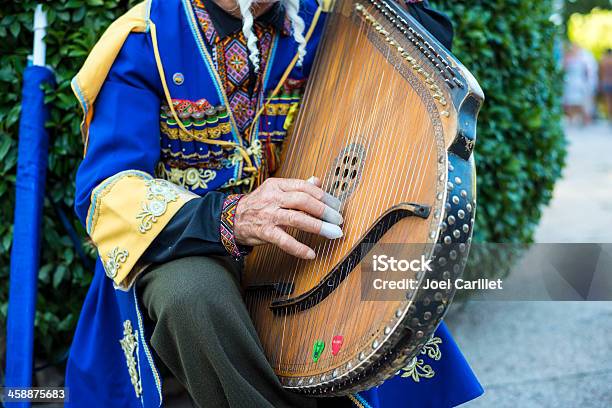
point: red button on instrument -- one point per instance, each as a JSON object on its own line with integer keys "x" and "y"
{"x": 337, "y": 344}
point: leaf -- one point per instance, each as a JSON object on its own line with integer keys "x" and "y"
{"x": 58, "y": 276}
{"x": 15, "y": 28}
{"x": 5, "y": 145}
{"x": 43, "y": 273}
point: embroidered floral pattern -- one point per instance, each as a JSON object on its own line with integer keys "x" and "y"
{"x": 114, "y": 259}
{"x": 129, "y": 345}
{"x": 192, "y": 178}
{"x": 417, "y": 368}
{"x": 237, "y": 185}
{"x": 432, "y": 348}
{"x": 159, "y": 194}
{"x": 226, "y": 227}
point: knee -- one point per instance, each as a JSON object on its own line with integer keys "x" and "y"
{"x": 191, "y": 288}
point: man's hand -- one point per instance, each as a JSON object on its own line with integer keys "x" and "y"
{"x": 277, "y": 203}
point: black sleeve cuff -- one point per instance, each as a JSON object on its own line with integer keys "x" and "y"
{"x": 194, "y": 230}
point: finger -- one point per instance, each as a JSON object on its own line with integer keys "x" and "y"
{"x": 299, "y": 220}
{"x": 331, "y": 215}
{"x": 305, "y": 202}
{"x": 315, "y": 180}
{"x": 289, "y": 244}
{"x": 328, "y": 199}
{"x": 305, "y": 222}
{"x": 310, "y": 188}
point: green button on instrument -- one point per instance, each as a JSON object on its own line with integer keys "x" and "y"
{"x": 317, "y": 350}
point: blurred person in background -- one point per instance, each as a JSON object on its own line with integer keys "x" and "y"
{"x": 580, "y": 84}
{"x": 590, "y": 104}
{"x": 605, "y": 81}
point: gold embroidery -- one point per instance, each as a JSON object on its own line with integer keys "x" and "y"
{"x": 124, "y": 207}
{"x": 278, "y": 108}
{"x": 192, "y": 178}
{"x": 210, "y": 155}
{"x": 417, "y": 368}
{"x": 159, "y": 194}
{"x": 254, "y": 150}
{"x": 115, "y": 258}
{"x": 234, "y": 158}
{"x": 180, "y": 155}
{"x": 197, "y": 133}
{"x": 129, "y": 345}
{"x": 432, "y": 348}
{"x": 232, "y": 182}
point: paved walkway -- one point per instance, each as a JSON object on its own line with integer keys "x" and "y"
{"x": 551, "y": 354}
{"x": 585, "y": 191}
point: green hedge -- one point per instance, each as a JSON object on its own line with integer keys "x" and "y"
{"x": 508, "y": 44}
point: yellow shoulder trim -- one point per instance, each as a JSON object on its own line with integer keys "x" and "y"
{"x": 127, "y": 212}
{"x": 88, "y": 81}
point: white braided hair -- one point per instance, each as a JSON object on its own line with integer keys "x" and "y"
{"x": 292, "y": 7}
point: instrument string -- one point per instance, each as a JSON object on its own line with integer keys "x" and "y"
{"x": 296, "y": 318}
{"x": 313, "y": 268}
{"x": 361, "y": 203}
{"x": 321, "y": 254}
{"x": 405, "y": 154}
{"x": 270, "y": 252}
{"x": 360, "y": 130}
{"x": 324, "y": 128}
{"x": 382, "y": 174}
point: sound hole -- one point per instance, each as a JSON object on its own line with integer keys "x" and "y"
{"x": 345, "y": 171}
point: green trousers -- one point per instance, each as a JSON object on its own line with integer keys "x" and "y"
{"x": 203, "y": 334}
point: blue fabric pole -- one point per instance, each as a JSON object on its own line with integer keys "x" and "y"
{"x": 29, "y": 197}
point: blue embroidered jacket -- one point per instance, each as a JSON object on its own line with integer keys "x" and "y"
{"x": 140, "y": 170}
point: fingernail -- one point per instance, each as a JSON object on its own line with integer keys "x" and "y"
{"x": 332, "y": 201}
{"x": 311, "y": 254}
{"x": 333, "y": 216}
{"x": 331, "y": 231}
{"x": 311, "y": 180}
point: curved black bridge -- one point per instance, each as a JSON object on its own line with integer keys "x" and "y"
{"x": 333, "y": 279}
